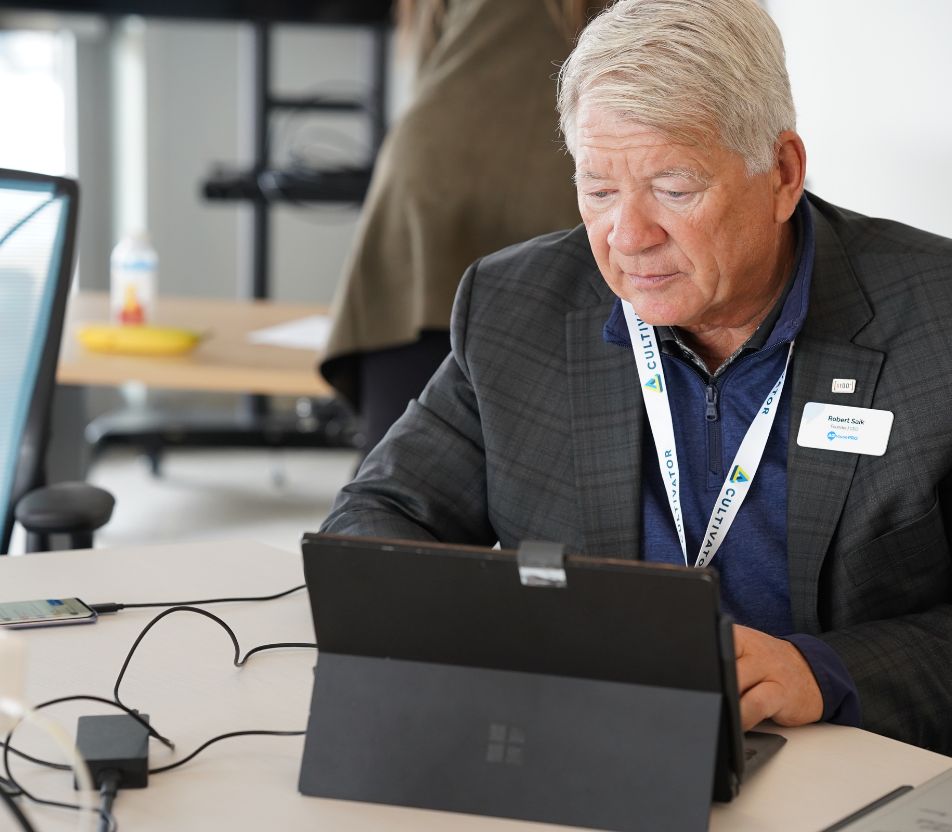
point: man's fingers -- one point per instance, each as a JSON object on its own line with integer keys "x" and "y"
{"x": 750, "y": 672}
{"x": 741, "y": 640}
{"x": 759, "y": 703}
{"x": 752, "y": 664}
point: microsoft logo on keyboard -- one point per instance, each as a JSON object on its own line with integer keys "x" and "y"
{"x": 506, "y": 744}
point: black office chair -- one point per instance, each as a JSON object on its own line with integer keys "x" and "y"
{"x": 38, "y": 216}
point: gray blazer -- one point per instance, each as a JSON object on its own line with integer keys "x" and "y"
{"x": 533, "y": 429}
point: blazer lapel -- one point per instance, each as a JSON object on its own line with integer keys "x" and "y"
{"x": 607, "y": 433}
{"x": 819, "y": 480}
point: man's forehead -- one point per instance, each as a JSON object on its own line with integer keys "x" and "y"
{"x": 681, "y": 171}
{"x": 597, "y": 160}
{"x": 604, "y": 126}
{"x": 602, "y": 137}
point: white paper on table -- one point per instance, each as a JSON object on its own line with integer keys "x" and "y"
{"x": 303, "y": 334}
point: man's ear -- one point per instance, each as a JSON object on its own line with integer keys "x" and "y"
{"x": 789, "y": 170}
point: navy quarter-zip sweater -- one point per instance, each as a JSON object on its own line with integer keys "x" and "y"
{"x": 711, "y": 415}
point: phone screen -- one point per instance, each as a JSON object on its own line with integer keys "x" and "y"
{"x": 45, "y": 612}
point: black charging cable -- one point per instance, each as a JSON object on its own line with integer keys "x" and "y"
{"x": 8, "y": 787}
{"x": 109, "y": 784}
{"x": 112, "y": 607}
{"x": 237, "y": 660}
{"x": 106, "y": 818}
{"x": 16, "y": 811}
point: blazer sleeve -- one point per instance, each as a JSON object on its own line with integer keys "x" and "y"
{"x": 426, "y": 480}
{"x": 901, "y": 664}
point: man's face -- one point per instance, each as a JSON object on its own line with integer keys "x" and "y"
{"x": 680, "y": 231}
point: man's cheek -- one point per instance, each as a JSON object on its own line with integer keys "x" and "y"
{"x": 597, "y": 239}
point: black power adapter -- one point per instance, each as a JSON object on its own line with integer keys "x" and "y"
{"x": 117, "y": 745}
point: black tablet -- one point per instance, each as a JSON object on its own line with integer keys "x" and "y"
{"x": 565, "y": 689}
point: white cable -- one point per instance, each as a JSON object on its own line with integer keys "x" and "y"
{"x": 88, "y": 811}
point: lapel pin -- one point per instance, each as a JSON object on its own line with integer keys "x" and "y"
{"x": 844, "y": 385}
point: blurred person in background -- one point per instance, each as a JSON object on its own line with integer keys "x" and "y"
{"x": 473, "y": 165}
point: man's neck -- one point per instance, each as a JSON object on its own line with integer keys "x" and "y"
{"x": 715, "y": 344}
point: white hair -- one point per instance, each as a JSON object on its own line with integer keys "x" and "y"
{"x": 692, "y": 69}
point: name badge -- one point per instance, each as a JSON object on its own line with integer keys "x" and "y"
{"x": 855, "y": 430}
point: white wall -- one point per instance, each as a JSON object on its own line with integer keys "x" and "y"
{"x": 871, "y": 84}
{"x": 192, "y": 122}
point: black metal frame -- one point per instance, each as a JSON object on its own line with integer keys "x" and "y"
{"x": 327, "y": 424}
{"x": 338, "y": 186}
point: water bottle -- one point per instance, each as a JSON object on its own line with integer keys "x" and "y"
{"x": 134, "y": 268}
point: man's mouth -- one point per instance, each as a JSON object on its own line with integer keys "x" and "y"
{"x": 649, "y": 278}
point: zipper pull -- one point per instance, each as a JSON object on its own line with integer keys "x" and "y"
{"x": 710, "y": 398}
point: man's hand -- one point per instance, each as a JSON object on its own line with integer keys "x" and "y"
{"x": 775, "y": 681}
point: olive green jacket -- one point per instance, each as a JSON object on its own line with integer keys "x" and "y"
{"x": 474, "y": 164}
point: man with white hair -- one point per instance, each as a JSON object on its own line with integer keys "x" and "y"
{"x": 715, "y": 369}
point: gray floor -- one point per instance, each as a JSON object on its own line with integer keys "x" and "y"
{"x": 268, "y": 496}
{"x": 271, "y": 496}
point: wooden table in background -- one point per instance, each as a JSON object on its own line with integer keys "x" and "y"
{"x": 224, "y": 362}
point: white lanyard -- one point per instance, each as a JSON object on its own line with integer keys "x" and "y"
{"x": 654, "y": 390}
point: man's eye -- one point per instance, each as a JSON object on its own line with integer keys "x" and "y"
{"x": 599, "y": 194}
{"x": 676, "y": 194}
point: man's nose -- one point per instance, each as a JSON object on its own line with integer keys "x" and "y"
{"x": 634, "y": 230}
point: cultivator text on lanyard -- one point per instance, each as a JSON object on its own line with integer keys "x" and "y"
{"x": 743, "y": 469}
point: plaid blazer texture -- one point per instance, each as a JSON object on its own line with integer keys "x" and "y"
{"x": 533, "y": 429}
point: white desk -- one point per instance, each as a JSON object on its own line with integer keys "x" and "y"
{"x": 183, "y": 678}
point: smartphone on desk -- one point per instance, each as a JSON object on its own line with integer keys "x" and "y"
{"x": 45, "y": 613}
